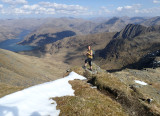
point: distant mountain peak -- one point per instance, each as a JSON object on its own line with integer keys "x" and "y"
{"x": 152, "y": 21}
{"x": 112, "y": 20}
{"x": 112, "y": 25}
{"x": 131, "y": 31}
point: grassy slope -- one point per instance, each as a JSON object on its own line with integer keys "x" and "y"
{"x": 8, "y": 89}
{"x": 22, "y": 71}
{"x": 88, "y": 101}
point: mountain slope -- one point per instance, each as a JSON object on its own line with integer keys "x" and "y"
{"x": 56, "y": 29}
{"x": 10, "y": 29}
{"x": 22, "y": 71}
{"x": 130, "y": 45}
{"x": 152, "y": 21}
{"x": 113, "y": 25}
{"x": 71, "y": 50}
{"x": 47, "y": 33}
{"x": 47, "y": 38}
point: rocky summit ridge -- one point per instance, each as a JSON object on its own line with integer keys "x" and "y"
{"x": 130, "y": 45}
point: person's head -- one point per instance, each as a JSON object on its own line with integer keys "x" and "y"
{"x": 89, "y": 47}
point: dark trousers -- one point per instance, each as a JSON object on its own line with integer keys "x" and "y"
{"x": 89, "y": 60}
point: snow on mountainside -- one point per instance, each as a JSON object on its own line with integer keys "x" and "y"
{"x": 35, "y": 101}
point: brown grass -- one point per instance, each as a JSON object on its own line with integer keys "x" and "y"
{"x": 128, "y": 97}
{"x": 23, "y": 71}
{"x": 88, "y": 102}
{"x": 107, "y": 80}
{"x": 119, "y": 90}
{"x": 8, "y": 89}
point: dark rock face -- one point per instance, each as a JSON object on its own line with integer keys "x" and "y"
{"x": 131, "y": 45}
{"x": 156, "y": 62}
{"x": 130, "y": 31}
{"x": 150, "y": 60}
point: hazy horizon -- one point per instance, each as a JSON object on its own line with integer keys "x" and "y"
{"x": 85, "y": 18}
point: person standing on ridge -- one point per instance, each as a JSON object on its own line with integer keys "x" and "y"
{"x": 89, "y": 55}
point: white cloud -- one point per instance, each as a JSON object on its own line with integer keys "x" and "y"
{"x": 34, "y": 9}
{"x": 128, "y": 7}
{"x": 1, "y": 6}
{"x": 65, "y": 9}
{"x": 104, "y": 9}
{"x": 14, "y": 1}
{"x": 128, "y": 10}
{"x": 20, "y": 11}
{"x": 156, "y": 1}
{"x": 51, "y": 8}
{"x": 47, "y": 8}
{"x": 119, "y": 8}
{"x": 124, "y": 8}
{"x": 136, "y": 10}
{"x": 31, "y": 7}
{"x": 149, "y": 11}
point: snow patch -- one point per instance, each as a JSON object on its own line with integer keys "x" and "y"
{"x": 94, "y": 87}
{"x": 35, "y": 101}
{"x": 140, "y": 82}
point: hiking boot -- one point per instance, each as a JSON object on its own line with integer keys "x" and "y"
{"x": 84, "y": 67}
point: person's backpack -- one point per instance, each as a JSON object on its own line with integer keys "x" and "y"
{"x": 93, "y": 53}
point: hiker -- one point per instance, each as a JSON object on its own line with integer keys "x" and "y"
{"x": 89, "y": 55}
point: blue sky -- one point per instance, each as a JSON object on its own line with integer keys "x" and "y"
{"x": 78, "y": 8}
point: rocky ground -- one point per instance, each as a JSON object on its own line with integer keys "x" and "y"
{"x": 147, "y": 94}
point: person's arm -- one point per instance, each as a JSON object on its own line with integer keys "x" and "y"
{"x": 90, "y": 53}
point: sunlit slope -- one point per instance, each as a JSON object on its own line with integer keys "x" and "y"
{"x": 20, "y": 70}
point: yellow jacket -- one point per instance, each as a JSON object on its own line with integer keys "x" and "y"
{"x": 90, "y": 54}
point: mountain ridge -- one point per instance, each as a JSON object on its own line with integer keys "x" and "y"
{"x": 131, "y": 44}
